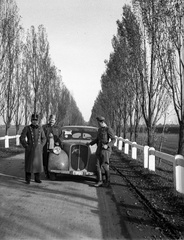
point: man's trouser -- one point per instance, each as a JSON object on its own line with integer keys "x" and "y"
{"x": 103, "y": 166}
{"x": 45, "y": 162}
{"x": 36, "y": 176}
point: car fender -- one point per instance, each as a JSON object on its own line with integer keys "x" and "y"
{"x": 58, "y": 161}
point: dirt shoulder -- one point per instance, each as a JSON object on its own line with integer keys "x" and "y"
{"x": 157, "y": 188}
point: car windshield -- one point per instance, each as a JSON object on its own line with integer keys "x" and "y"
{"x": 85, "y": 134}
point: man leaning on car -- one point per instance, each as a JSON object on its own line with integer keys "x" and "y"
{"x": 105, "y": 140}
{"x": 54, "y": 136}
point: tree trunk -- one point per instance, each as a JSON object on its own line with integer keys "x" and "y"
{"x": 7, "y": 128}
{"x": 17, "y": 128}
{"x": 124, "y": 128}
{"x": 181, "y": 123}
{"x": 131, "y": 128}
{"x": 181, "y": 138}
{"x": 150, "y": 134}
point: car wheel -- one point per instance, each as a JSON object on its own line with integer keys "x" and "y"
{"x": 52, "y": 176}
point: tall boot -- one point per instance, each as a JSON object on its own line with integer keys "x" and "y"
{"x": 99, "y": 183}
{"x": 37, "y": 177}
{"x": 107, "y": 184}
{"x": 28, "y": 177}
{"x": 103, "y": 178}
{"x": 46, "y": 172}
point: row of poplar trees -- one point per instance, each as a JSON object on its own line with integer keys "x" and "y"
{"x": 145, "y": 72}
{"x": 29, "y": 80}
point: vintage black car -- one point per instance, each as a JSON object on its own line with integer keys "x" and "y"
{"x": 74, "y": 157}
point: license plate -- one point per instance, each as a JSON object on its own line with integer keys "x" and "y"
{"x": 77, "y": 173}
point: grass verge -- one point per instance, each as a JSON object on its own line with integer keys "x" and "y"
{"x": 11, "y": 151}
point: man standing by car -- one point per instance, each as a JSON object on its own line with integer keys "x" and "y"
{"x": 105, "y": 140}
{"x": 33, "y": 139}
{"x": 54, "y": 136}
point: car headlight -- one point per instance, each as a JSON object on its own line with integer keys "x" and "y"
{"x": 57, "y": 150}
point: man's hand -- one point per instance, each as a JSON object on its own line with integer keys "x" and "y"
{"x": 105, "y": 146}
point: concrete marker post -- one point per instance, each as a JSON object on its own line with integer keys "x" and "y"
{"x": 126, "y": 149}
{"x": 17, "y": 140}
{"x": 134, "y": 150}
{"x": 179, "y": 173}
{"x": 6, "y": 141}
{"x": 120, "y": 143}
{"x": 146, "y": 157}
{"x": 116, "y": 142}
{"x": 151, "y": 164}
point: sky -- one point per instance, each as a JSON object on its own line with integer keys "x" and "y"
{"x": 79, "y": 34}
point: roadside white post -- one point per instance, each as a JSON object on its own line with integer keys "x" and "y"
{"x": 151, "y": 159}
{"x": 120, "y": 143}
{"x": 17, "y": 140}
{"x": 134, "y": 150}
{"x": 116, "y": 142}
{"x": 179, "y": 173}
{"x": 126, "y": 150}
{"x": 146, "y": 150}
{"x": 6, "y": 141}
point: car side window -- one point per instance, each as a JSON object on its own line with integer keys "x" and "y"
{"x": 87, "y": 136}
{"x": 79, "y": 134}
{"x": 76, "y": 135}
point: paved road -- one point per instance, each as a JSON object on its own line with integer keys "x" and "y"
{"x": 68, "y": 209}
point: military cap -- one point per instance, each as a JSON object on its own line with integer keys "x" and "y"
{"x": 52, "y": 117}
{"x": 34, "y": 116}
{"x": 100, "y": 118}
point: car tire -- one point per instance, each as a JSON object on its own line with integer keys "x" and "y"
{"x": 52, "y": 176}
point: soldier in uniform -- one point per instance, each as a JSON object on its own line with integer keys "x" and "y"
{"x": 33, "y": 139}
{"x": 54, "y": 136}
{"x": 105, "y": 140}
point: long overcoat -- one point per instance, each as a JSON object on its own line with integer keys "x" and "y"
{"x": 33, "y": 139}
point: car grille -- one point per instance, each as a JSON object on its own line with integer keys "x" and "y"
{"x": 79, "y": 157}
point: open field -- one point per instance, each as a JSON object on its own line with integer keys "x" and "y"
{"x": 167, "y": 143}
{"x": 12, "y": 131}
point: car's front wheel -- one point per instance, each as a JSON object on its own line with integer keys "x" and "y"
{"x": 52, "y": 176}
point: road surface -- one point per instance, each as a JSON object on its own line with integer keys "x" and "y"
{"x": 68, "y": 208}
